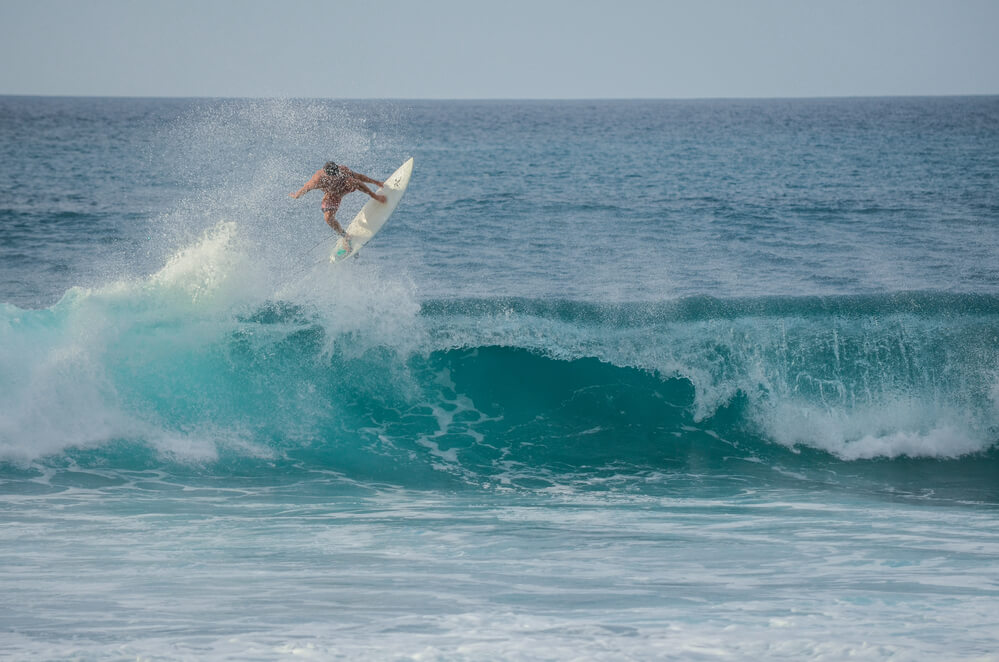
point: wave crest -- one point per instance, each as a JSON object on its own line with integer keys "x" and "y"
{"x": 205, "y": 360}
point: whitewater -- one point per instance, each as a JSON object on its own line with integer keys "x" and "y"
{"x": 619, "y": 380}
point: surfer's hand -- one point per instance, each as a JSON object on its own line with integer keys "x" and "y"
{"x": 381, "y": 198}
{"x": 293, "y": 195}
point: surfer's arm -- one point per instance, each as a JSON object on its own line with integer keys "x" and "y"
{"x": 366, "y": 179}
{"x": 310, "y": 185}
{"x": 361, "y": 187}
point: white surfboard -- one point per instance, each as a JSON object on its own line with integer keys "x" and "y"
{"x": 373, "y": 214}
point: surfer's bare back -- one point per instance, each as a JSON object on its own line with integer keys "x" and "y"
{"x": 336, "y": 181}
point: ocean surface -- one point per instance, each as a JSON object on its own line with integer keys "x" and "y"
{"x": 620, "y": 380}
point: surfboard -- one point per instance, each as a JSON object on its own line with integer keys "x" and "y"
{"x": 373, "y": 214}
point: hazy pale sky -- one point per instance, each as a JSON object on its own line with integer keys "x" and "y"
{"x": 500, "y": 49}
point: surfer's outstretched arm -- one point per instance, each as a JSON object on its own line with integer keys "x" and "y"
{"x": 310, "y": 185}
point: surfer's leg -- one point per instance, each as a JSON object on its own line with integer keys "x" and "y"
{"x": 332, "y": 222}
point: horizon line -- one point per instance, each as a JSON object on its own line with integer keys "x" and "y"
{"x": 493, "y": 99}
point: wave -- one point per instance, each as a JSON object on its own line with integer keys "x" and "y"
{"x": 208, "y": 362}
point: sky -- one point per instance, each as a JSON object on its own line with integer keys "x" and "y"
{"x": 521, "y": 49}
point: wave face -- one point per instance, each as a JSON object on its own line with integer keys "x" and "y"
{"x": 203, "y": 364}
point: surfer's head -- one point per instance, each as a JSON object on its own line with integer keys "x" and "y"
{"x": 331, "y": 169}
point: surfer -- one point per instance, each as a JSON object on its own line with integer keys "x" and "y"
{"x": 336, "y": 181}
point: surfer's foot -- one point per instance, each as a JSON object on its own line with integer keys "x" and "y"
{"x": 344, "y": 246}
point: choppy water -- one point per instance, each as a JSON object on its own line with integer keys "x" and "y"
{"x": 619, "y": 380}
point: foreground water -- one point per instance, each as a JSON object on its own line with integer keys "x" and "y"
{"x": 620, "y": 380}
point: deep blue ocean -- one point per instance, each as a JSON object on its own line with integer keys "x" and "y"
{"x": 619, "y": 380}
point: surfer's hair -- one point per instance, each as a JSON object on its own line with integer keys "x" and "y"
{"x": 331, "y": 169}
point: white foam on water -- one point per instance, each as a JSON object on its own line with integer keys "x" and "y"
{"x": 250, "y": 573}
{"x": 899, "y": 428}
{"x": 61, "y": 368}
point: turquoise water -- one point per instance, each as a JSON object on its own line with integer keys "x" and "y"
{"x": 620, "y": 380}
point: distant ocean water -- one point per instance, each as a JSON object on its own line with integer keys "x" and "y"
{"x": 691, "y": 380}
